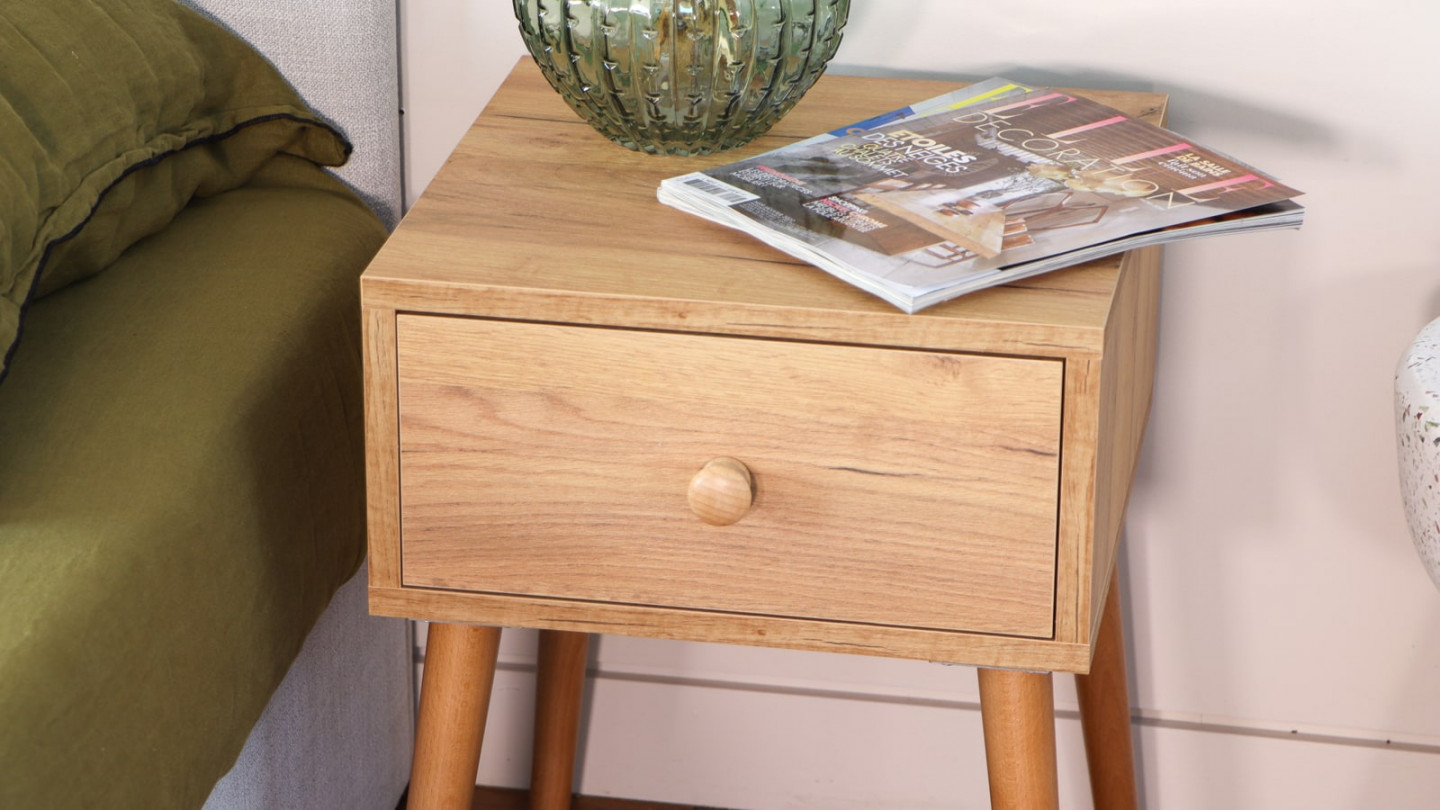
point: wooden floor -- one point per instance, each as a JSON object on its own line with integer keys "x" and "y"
{"x": 499, "y": 799}
{"x": 487, "y": 798}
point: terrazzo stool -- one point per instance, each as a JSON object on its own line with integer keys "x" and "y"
{"x": 1417, "y": 432}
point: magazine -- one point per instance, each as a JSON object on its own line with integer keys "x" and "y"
{"x": 987, "y": 90}
{"x": 990, "y": 184}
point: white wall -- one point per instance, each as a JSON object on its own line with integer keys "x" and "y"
{"x": 1272, "y": 586}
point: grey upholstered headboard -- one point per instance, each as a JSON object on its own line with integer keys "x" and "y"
{"x": 342, "y": 56}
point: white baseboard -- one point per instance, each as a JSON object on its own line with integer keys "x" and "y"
{"x": 785, "y": 742}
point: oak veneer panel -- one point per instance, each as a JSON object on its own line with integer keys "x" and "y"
{"x": 892, "y": 487}
{"x": 512, "y": 229}
{"x": 1107, "y": 404}
{"x": 1077, "y": 497}
{"x": 471, "y": 245}
{"x": 975, "y": 649}
{"x": 1128, "y": 377}
{"x": 382, "y": 447}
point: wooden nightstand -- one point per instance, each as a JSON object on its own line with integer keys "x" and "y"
{"x": 555, "y": 360}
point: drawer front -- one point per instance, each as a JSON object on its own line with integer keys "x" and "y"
{"x": 891, "y": 487}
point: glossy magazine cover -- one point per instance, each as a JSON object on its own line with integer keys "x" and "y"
{"x": 919, "y": 209}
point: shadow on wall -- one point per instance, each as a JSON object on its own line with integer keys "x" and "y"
{"x": 1356, "y": 329}
{"x": 1190, "y": 107}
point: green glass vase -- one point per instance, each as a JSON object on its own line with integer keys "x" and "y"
{"x": 682, "y": 77}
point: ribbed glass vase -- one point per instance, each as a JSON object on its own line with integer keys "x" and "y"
{"x": 682, "y": 77}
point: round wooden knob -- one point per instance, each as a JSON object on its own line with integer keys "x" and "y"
{"x": 721, "y": 493}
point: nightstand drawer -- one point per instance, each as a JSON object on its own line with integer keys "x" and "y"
{"x": 890, "y": 486}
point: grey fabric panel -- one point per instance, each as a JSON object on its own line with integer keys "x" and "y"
{"x": 337, "y": 734}
{"x": 342, "y": 57}
{"x": 314, "y": 746}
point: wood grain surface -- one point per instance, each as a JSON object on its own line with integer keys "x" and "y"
{"x": 535, "y": 216}
{"x": 896, "y": 500}
{"x": 892, "y": 487}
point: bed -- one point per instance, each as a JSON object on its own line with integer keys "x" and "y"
{"x": 182, "y": 611}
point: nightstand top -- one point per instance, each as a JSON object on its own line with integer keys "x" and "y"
{"x": 537, "y": 217}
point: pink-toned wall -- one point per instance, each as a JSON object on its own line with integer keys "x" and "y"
{"x": 1285, "y": 641}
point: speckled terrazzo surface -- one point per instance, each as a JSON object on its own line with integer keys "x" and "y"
{"x": 1417, "y": 414}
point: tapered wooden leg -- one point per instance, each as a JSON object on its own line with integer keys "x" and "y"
{"x": 1018, "y": 712}
{"x": 454, "y": 699}
{"x": 1105, "y": 713}
{"x": 559, "y": 685}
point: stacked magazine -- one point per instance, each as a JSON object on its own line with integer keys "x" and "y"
{"x": 991, "y": 183}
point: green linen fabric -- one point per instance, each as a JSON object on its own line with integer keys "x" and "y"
{"x": 113, "y": 115}
{"x": 182, "y": 491}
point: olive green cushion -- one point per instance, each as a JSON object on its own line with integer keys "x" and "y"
{"x": 182, "y": 490}
{"x": 113, "y": 115}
